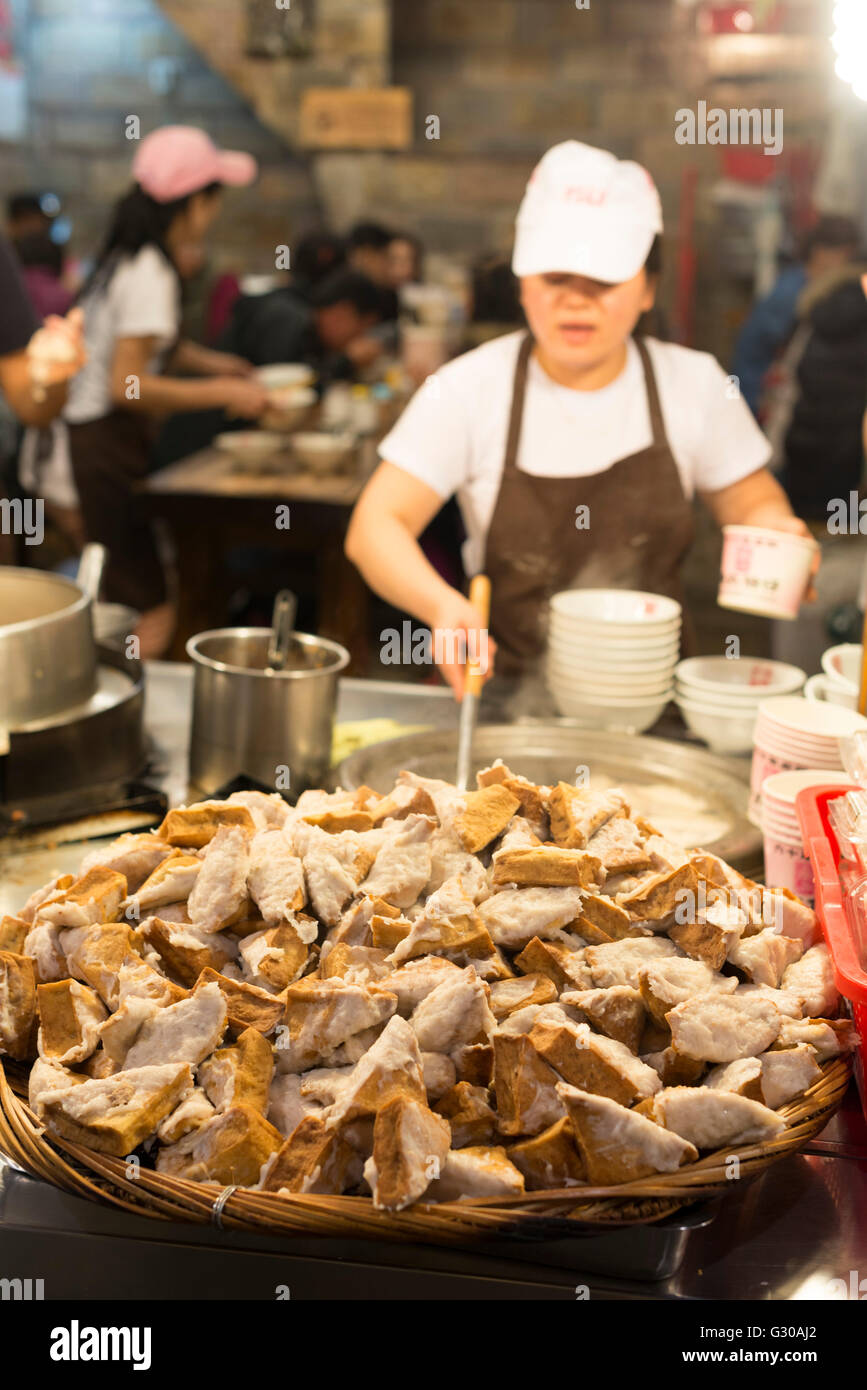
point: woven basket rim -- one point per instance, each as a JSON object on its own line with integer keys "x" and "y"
{"x": 532, "y": 1215}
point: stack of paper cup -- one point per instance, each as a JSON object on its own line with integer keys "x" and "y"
{"x": 793, "y": 733}
{"x": 786, "y": 863}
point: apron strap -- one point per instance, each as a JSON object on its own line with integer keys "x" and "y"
{"x": 657, "y": 423}
{"x": 519, "y": 388}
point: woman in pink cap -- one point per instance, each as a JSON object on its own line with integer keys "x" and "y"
{"x": 575, "y": 448}
{"x": 139, "y": 367}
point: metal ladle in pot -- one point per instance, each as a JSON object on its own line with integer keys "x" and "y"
{"x": 282, "y": 630}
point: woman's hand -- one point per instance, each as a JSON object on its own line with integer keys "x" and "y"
{"x": 458, "y": 638}
{"x": 56, "y": 352}
{"x": 245, "y": 400}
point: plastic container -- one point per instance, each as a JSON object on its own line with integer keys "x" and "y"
{"x": 848, "y": 954}
{"x": 764, "y": 571}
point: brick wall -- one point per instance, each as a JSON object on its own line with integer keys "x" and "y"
{"x": 92, "y": 63}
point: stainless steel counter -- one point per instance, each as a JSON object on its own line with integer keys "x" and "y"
{"x": 793, "y": 1234}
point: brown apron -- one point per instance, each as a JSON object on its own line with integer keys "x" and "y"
{"x": 640, "y": 527}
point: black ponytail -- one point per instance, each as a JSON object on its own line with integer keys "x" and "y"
{"x": 139, "y": 220}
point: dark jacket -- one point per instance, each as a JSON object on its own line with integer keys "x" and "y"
{"x": 824, "y": 451}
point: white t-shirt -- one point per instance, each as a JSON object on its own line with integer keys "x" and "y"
{"x": 142, "y": 299}
{"x": 452, "y": 434}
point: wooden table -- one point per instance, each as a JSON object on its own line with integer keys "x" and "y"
{"x": 211, "y": 503}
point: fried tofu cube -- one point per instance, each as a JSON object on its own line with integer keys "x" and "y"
{"x": 722, "y": 1027}
{"x": 788, "y": 1073}
{"x": 617, "y": 1012}
{"x": 658, "y": 899}
{"x": 248, "y": 1006}
{"x": 477, "y": 1171}
{"x": 709, "y": 1119}
{"x": 387, "y": 932}
{"x": 239, "y": 1074}
{"x": 474, "y": 1063}
{"x": 91, "y": 900}
{"x": 741, "y": 1078}
{"x": 193, "y": 827}
{"x": 765, "y": 957}
{"x": 333, "y": 822}
{"x": 577, "y": 813}
{"x": 186, "y": 951}
{"x": 550, "y": 1159}
{"x": 391, "y": 1066}
{"x": 13, "y": 933}
{"x": 593, "y": 1062}
{"x": 524, "y": 1085}
{"x": 617, "y": 1144}
{"x": 667, "y": 983}
{"x": 117, "y": 1113}
{"x": 410, "y": 1144}
{"x": 231, "y": 1149}
{"x": 315, "y": 1158}
{"x": 483, "y": 816}
{"x": 712, "y": 936}
{"x": 672, "y": 1068}
{"x": 519, "y": 991}
{"x": 562, "y": 965}
{"x": 17, "y": 1004}
{"x": 70, "y": 1015}
{"x": 275, "y": 957}
{"x": 468, "y": 1111}
{"x": 545, "y": 866}
{"x": 172, "y": 881}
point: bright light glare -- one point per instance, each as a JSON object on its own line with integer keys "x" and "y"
{"x": 743, "y": 20}
{"x": 850, "y": 44}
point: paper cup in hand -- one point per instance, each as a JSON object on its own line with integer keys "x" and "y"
{"x": 765, "y": 571}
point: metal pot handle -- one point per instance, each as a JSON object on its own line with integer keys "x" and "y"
{"x": 91, "y": 567}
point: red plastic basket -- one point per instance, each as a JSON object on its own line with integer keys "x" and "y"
{"x": 820, "y": 843}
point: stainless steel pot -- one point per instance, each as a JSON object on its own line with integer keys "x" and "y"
{"x": 248, "y": 720}
{"x": 47, "y": 652}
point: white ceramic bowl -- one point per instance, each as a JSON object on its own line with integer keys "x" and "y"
{"x": 322, "y": 453}
{"x": 825, "y": 688}
{"x": 625, "y": 715}
{"x": 722, "y": 730}
{"x": 281, "y": 374}
{"x": 589, "y": 686}
{"x": 250, "y": 446}
{"x": 632, "y": 648}
{"x": 842, "y": 665}
{"x": 748, "y": 678}
{"x": 628, "y": 609}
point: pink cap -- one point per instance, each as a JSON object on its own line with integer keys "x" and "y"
{"x": 177, "y": 160}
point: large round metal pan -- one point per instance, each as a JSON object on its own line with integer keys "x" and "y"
{"x": 696, "y": 798}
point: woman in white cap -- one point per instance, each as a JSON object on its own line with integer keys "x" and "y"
{"x": 574, "y": 449}
{"x": 132, "y": 311}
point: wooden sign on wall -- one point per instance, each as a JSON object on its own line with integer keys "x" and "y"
{"x": 356, "y": 118}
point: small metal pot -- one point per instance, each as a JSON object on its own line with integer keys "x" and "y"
{"x": 249, "y": 720}
{"x": 47, "y": 652}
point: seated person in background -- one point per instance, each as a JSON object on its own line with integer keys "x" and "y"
{"x": 328, "y": 330}
{"x": 313, "y": 259}
{"x": 405, "y": 260}
{"x": 367, "y": 251}
{"x": 41, "y": 262}
{"x": 828, "y": 246}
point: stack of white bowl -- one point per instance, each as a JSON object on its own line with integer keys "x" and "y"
{"x": 719, "y": 696}
{"x": 786, "y": 863}
{"x": 793, "y": 734}
{"x": 611, "y": 656}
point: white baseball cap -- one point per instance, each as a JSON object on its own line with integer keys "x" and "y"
{"x": 586, "y": 212}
